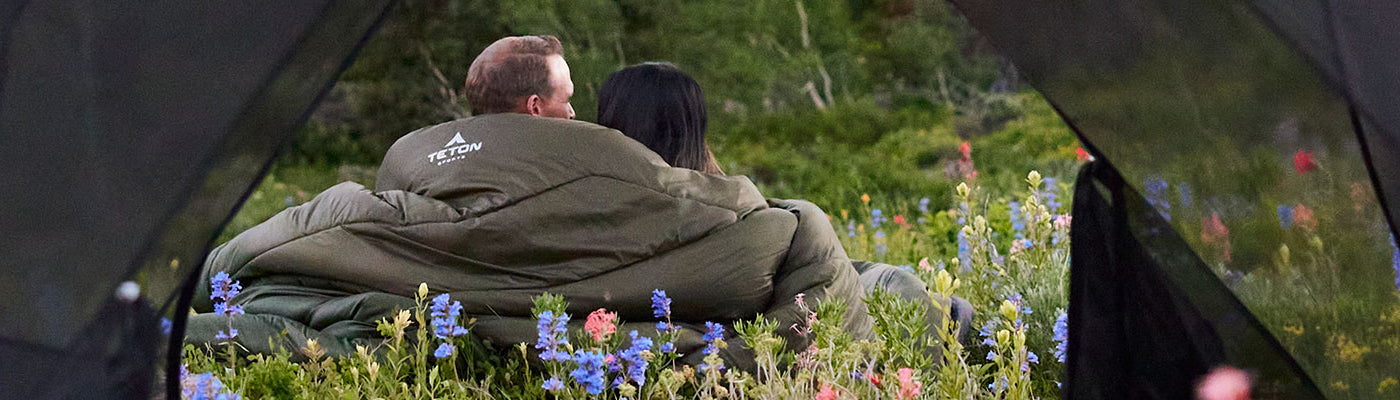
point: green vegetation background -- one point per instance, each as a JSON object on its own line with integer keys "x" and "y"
{"x": 818, "y": 99}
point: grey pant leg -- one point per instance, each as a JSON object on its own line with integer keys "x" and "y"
{"x": 908, "y": 286}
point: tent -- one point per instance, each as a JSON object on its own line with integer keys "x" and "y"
{"x": 1237, "y": 211}
{"x": 1230, "y": 137}
{"x": 129, "y": 133}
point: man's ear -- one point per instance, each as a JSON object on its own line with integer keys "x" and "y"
{"x": 534, "y": 105}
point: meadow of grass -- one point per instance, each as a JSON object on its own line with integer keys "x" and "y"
{"x": 908, "y": 190}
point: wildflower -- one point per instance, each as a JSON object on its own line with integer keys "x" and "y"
{"x": 1386, "y": 384}
{"x": 899, "y": 220}
{"x": 204, "y": 386}
{"x": 851, "y": 228}
{"x": 879, "y": 234}
{"x": 1303, "y": 162}
{"x": 551, "y": 331}
{"x": 1395, "y": 261}
{"x": 589, "y": 372}
{"x": 553, "y": 384}
{"x": 1304, "y": 217}
{"x": 1061, "y": 336}
{"x": 964, "y": 249}
{"x": 444, "y": 350}
{"x": 222, "y": 287}
{"x": 1032, "y": 358}
{"x": 1018, "y": 224}
{"x": 714, "y": 332}
{"x": 1285, "y": 216}
{"x": 924, "y": 265}
{"x": 230, "y": 334}
{"x": 923, "y": 205}
{"x": 876, "y": 217}
{"x": 1214, "y": 232}
{"x": 987, "y": 331}
{"x": 601, "y": 324}
{"x": 1081, "y": 154}
{"x": 1156, "y": 195}
{"x": 865, "y": 198}
{"x": 636, "y": 358}
{"x": 991, "y": 355}
{"x": 660, "y": 304}
{"x": 222, "y": 291}
{"x": 165, "y": 326}
{"x": 908, "y": 387}
{"x": 826, "y": 392}
{"x": 875, "y": 379}
{"x": 966, "y": 149}
{"x": 445, "y": 314}
{"x": 1062, "y": 221}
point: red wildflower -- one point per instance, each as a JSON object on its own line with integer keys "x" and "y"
{"x": 827, "y": 393}
{"x": 899, "y": 220}
{"x": 875, "y": 379}
{"x": 1214, "y": 233}
{"x": 1303, "y": 217}
{"x": 1303, "y": 162}
{"x": 1081, "y": 154}
{"x": 966, "y": 149}
{"x": 908, "y": 387}
{"x": 601, "y": 324}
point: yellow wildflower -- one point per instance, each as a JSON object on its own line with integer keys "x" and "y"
{"x": 1386, "y": 384}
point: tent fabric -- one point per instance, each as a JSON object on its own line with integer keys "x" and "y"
{"x": 1155, "y": 313}
{"x": 1262, "y": 134}
{"x": 131, "y": 131}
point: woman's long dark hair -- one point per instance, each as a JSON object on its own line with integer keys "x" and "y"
{"x": 661, "y": 107}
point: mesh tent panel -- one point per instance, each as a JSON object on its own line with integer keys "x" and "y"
{"x": 1236, "y": 129}
{"x": 131, "y": 132}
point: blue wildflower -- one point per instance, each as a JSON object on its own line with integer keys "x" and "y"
{"x": 1061, "y": 336}
{"x": 713, "y": 333}
{"x": 923, "y": 205}
{"x": 590, "y": 371}
{"x": 553, "y": 384}
{"x": 552, "y": 335}
{"x": 964, "y": 251}
{"x": 230, "y": 334}
{"x": 667, "y": 347}
{"x": 445, "y": 313}
{"x": 444, "y": 350}
{"x": 1156, "y": 195}
{"x": 635, "y": 358}
{"x": 165, "y": 326}
{"x": 857, "y": 376}
{"x": 1285, "y": 216}
{"x": 986, "y": 332}
{"x": 879, "y": 234}
{"x": 851, "y": 228}
{"x": 660, "y": 304}
{"x": 1031, "y": 357}
{"x": 963, "y": 213}
{"x": 1395, "y": 261}
{"x": 222, "y": 290}
{"x": 1018, "y": 224}
{"x": 876, "y": 217}
{"x": 991, "y": 355}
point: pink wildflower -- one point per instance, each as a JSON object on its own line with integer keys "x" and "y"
{"x": 1303, "y": 162}
{"x": 966, "y": 149}
{"x": 601, "y": 324}
{"x": 1214, "y": 232}
{"x": 799, "y": 301}
{"x": 1017, "y": 245}
{"x": 1062, "y": 221}
{"x": 1303, "y": 217}
{"x": 908, "y": 387}
{"x": 899, "y": 220}
{"x": 826, "y": 393}
{"x": 924, "y": 265}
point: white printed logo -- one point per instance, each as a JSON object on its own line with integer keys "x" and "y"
{"x": 455, "y": 149}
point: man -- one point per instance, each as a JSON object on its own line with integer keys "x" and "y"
{"x": 519, "y": 200}
{"x": 521, "y": 74}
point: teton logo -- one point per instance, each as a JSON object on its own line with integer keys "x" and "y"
{"x": 454, "y": 150}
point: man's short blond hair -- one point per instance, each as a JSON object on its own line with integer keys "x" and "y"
{"x": 509, "y": 70}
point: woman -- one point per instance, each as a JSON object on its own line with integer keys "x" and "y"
{"x": 663, "y": 108}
